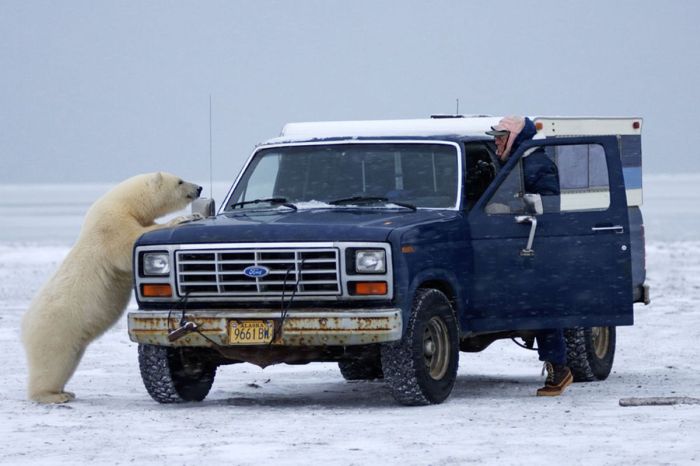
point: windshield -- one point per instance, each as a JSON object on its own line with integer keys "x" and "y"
{"x": 417, "y": 174}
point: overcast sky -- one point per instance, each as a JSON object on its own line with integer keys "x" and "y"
{"x": 98, "y": 91}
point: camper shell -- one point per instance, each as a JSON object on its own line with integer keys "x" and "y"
{"x": 388, "y": 244}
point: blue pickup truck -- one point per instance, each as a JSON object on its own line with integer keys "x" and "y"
{"x": 389, "y": 247}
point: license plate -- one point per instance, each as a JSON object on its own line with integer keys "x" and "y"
{"x": 250, "y": 332}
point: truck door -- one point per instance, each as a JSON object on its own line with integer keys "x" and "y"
{"x": 576, "y": 271}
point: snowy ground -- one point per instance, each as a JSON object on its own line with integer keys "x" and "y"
{"x": 309, "y": 414}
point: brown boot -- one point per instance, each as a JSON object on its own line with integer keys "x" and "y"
{"x": 558, "y": 378}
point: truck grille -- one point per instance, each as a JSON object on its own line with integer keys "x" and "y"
{"x": 313, "y": 272}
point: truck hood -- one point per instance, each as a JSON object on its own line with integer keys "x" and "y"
{"x": 287, "y": 226}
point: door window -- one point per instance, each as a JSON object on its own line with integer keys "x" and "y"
{"x": 568, "y": 177}
{"x": 508, "y": 198}
{"x": 583, "y": 174}
{"x": 480, "y": 171}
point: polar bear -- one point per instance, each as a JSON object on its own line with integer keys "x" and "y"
{"x": 92, "y": 287}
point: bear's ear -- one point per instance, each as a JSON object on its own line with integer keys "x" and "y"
{"x": 157, "y": 179}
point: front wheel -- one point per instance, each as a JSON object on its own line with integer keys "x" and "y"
{"x": 175, "y": 375}
{"x": 421, "y": 368}
{"x": 590, "y": 352}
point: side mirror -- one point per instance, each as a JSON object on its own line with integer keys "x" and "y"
{"x": 204, "y": 207}
{"x": 533, "y": 203}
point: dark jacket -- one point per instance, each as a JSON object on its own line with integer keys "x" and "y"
{"x": 540, "y": 173}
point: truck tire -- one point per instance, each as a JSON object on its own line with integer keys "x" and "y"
{"x": 364, "y": 368}
{"x": 421, "y": 368}
{"x": 590, "y": 352}
{"x": 175, "y": 375}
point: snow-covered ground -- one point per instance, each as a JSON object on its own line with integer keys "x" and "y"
{"x": 309, "y": 414}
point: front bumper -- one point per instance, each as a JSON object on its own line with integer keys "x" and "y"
{"x": 326, "y": 327}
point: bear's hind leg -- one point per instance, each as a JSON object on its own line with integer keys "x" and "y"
{"x": 48, "y": 375}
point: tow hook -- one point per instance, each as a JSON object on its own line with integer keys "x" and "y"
{"x": 184, "y": 329}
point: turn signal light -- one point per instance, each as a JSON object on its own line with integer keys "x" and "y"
{"x": 371, "y": 288}
{"x": 156, "y": 291}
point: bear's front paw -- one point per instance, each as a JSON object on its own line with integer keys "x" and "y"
{"x": 197, "y": 217}
{"x": 60, "y": 397}
{"x": 179, "y": 220}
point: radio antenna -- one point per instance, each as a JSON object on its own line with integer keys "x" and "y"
{"x": 457, "y": 113}
{"x": 211, "y": 183}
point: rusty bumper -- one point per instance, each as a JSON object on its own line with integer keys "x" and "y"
{"x": 328, "y": 327}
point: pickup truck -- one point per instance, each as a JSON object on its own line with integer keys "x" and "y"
{"x": 389, "y": 247}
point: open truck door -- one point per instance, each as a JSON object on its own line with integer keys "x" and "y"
{"x": 569, "y": 265}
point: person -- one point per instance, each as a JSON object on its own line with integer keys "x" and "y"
{"x": 539, "y": 172}
{"x": 540, "y": 176}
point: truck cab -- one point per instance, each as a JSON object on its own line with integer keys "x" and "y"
{"x": 389, "y": 247}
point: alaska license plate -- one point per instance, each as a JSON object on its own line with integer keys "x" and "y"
{"x": 250, "y": 332}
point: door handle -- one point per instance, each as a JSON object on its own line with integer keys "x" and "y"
{"x": 532, "y": 220}
{"x": 619, "y": 229}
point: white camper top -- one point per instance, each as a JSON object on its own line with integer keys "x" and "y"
{"x": 458, "y": 126}
{"x": 588, "y": 126}
{"x": 425, "y": 127}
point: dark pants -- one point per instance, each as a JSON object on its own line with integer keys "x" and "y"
{"x": 551, "y": 346}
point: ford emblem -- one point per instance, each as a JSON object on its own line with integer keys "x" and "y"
{"x": 256, "y": 271}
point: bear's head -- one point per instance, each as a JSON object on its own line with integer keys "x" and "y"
{"x": 145, "y": 197}
{"x": 169, "y": 193}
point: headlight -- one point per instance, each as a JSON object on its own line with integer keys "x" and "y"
{"x": 156, "y": 263}
{"x": 370, "y": 261}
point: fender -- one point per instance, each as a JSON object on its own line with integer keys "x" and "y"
{"x": 448, "y": 278}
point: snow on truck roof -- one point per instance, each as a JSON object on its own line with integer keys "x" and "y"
{"x": 391, "y": 128}
{"x": 459, "y": 126}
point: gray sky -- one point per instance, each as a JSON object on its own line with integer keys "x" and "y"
{"x": 99, "y": 91}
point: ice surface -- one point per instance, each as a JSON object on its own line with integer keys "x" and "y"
{"x": 671, "y": 207}
{"x": 310, "y": 415}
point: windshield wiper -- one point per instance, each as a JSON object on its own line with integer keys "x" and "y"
{"x": 272, "y": 200}
{"x": 370, "y": 200}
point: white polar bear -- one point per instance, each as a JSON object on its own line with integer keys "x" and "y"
{"x": 92, "y": 287}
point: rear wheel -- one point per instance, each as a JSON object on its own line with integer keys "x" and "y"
{"x": 590, "y": 352}
{"x": 421, "y": 368}
{"x": 175, "y": 375}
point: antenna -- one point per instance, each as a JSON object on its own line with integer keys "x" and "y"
{"x": 211, "y": 183}
{"x": 457, "y": 112}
